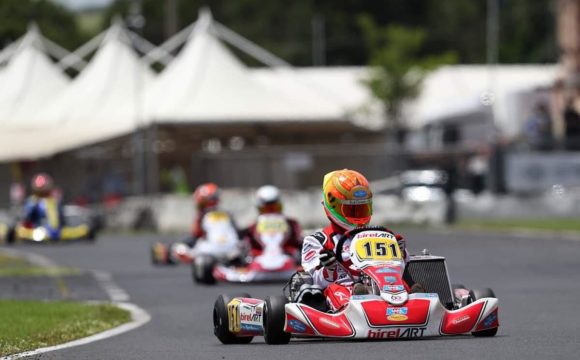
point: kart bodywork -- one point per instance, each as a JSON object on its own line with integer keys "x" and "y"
{"x": 387, "y": 311}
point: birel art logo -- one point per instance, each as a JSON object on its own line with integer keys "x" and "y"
{"x": 396, "y": 333}
{"x": 461, "y": 319}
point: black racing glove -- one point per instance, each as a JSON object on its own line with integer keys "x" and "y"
{"x": 327, "y": 258}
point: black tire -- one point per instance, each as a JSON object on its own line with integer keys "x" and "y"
{"x": 274, "y": 319}
{"x": 202, "y": 270}
{"x": 474, "y": 295}
{"x": 92, "y": 235}
{"x": 221, "y": 321}
{"x": 11, "y": 235}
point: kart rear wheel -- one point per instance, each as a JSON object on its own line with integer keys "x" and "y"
{"x": 474, "y": 295}
{"x": 221, "y": 321}
{"x": 274, "y": 319}
{"x": 202, "y": 270}
{"x": 11, "y": 235}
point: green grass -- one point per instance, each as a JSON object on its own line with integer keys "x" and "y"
{"x": 16, "y": 266}
{"x": 29, "y": 325}
{"x": 554, "y": 224}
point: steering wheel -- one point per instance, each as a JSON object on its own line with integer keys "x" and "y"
{"x": 349, "y": 235}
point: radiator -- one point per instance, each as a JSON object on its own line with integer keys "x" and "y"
{"x": 431, "y": 272}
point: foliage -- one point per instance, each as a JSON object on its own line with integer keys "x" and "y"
{"x": 55, "y": 22}
{"x": 28, "y": 325}
{"x": 398, "y": 65}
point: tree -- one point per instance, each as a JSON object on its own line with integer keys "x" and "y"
{"x": 55, "y": 22}
{"x": 398, "y": 66}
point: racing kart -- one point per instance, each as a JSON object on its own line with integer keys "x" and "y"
{"x": 386, "y": 311}
{"x": 221, "y": 243}
{"x": 271, "y": 265}
{"x": 74, "y": 224}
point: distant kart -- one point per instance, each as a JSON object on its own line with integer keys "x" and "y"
{"x": 386, "y": 311}
{"x": 77, "y": 226}
{"x": 221, "y": 243}
{"x": 272, "y": 265}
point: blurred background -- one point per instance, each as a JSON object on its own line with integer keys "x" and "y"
{"x": 457, "y": 110}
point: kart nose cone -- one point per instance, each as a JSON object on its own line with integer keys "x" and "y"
{"x": 396, "y": 299}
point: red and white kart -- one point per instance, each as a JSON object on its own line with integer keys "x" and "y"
{"x": 272, "y": 265}
{"x": 221, "y": 243}
{"x": 388, "y": 311}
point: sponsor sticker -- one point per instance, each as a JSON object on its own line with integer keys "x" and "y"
{"x": 426, "y": 295}
{"x": 297, "y": 326}
{"x": 390, "y": 279}
{"x": 488, "y": 322}
{"x": 251, "y": 328}
{"x": 393, "y": 288}
{"x": 360, "y": 194}
{"x": 461, "y": 319}
{"x": 398, "y": 310}
{"x": 363, "y": 297}
{"x": 386, "y": 270}
{"x": 397, "y": 317}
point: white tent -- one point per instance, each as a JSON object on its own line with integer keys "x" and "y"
{"x": 460, "y": 90}
{"x": 28, "y": 82}
{"x": 206, "y": 83}
{"x": 108, "y": 93}
{"x": 104, "y": 101}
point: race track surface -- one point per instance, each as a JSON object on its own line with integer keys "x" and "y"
{"x": 536, "y": 280}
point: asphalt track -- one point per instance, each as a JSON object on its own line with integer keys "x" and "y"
{"x": 536, "y": 280}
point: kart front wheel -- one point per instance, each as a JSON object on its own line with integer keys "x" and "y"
{"x": 474, "y": 295}
{"x": 202, "y": 270}
{"x": 274, "y": 319}
{"x": 221, "y": 321}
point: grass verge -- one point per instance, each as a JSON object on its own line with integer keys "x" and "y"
{"x": 558, "y": 224}
{"x": 29, "y": 325}
{"x": 17, "y": 266}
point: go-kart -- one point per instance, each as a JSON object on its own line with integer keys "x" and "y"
{"x": 272, "y": 265}
{"x": 77, "y": 225}
{"x": 221, "y": 243}
{"x": 386, "y": 311}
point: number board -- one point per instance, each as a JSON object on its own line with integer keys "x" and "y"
{"x": 272, "y": 226}
{"x": 377, "y": 248}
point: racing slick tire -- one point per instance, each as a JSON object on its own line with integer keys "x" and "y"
{"x": 11, "y": 235}
{"x": 202, "y": 270}
{"x": 221, "y": 321}
{"x": 474, "y": 295}
{"x": 274, "y": 319}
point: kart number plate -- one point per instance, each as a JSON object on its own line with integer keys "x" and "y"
{"x": 377, "y": 249}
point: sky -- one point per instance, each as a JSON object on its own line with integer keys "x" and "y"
{"x": 83, "y": 4}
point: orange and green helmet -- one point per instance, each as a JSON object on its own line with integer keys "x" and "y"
{"x": 347, "y": 198}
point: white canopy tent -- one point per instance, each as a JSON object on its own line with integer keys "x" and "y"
{"x": 104, "y": 101}
{"x": 29, "y": 81}
{"x": 461, "y": 90}
{"x": 206, "y": 83}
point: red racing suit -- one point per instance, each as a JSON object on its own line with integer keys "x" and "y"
{"x": 336, "y": 281}
{"x": 292, "y": 238}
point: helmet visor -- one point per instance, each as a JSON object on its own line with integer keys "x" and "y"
{"x": 359, "y": 214}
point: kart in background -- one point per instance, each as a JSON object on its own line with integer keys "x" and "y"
{"x": 78, "y": 224}
{"x": 387, "y": 311}
{"x": 271, "y": 265}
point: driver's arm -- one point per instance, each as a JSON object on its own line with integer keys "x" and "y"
{"x": 311, "y": 250}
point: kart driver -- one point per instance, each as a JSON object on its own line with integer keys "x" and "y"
{"x": 269, "y": 205}
{"x": 36, "y": 207}
{"x": 348, "y": 205}
{"x": 206, "y": 198}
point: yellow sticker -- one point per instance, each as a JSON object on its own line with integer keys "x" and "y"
{"x": 276, "y": 225}
{"x": 397, "y": 317}
{"x": 234, "y": 324}
{"x": 217, "y": 216}
{"x": 378, "y": 248}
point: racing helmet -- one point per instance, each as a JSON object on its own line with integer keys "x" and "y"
{"x": 347, "y": 198}
{"x": 206, "y": 196}
{"x": 268, "y": 200}
{"x": 42, "y": 184}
